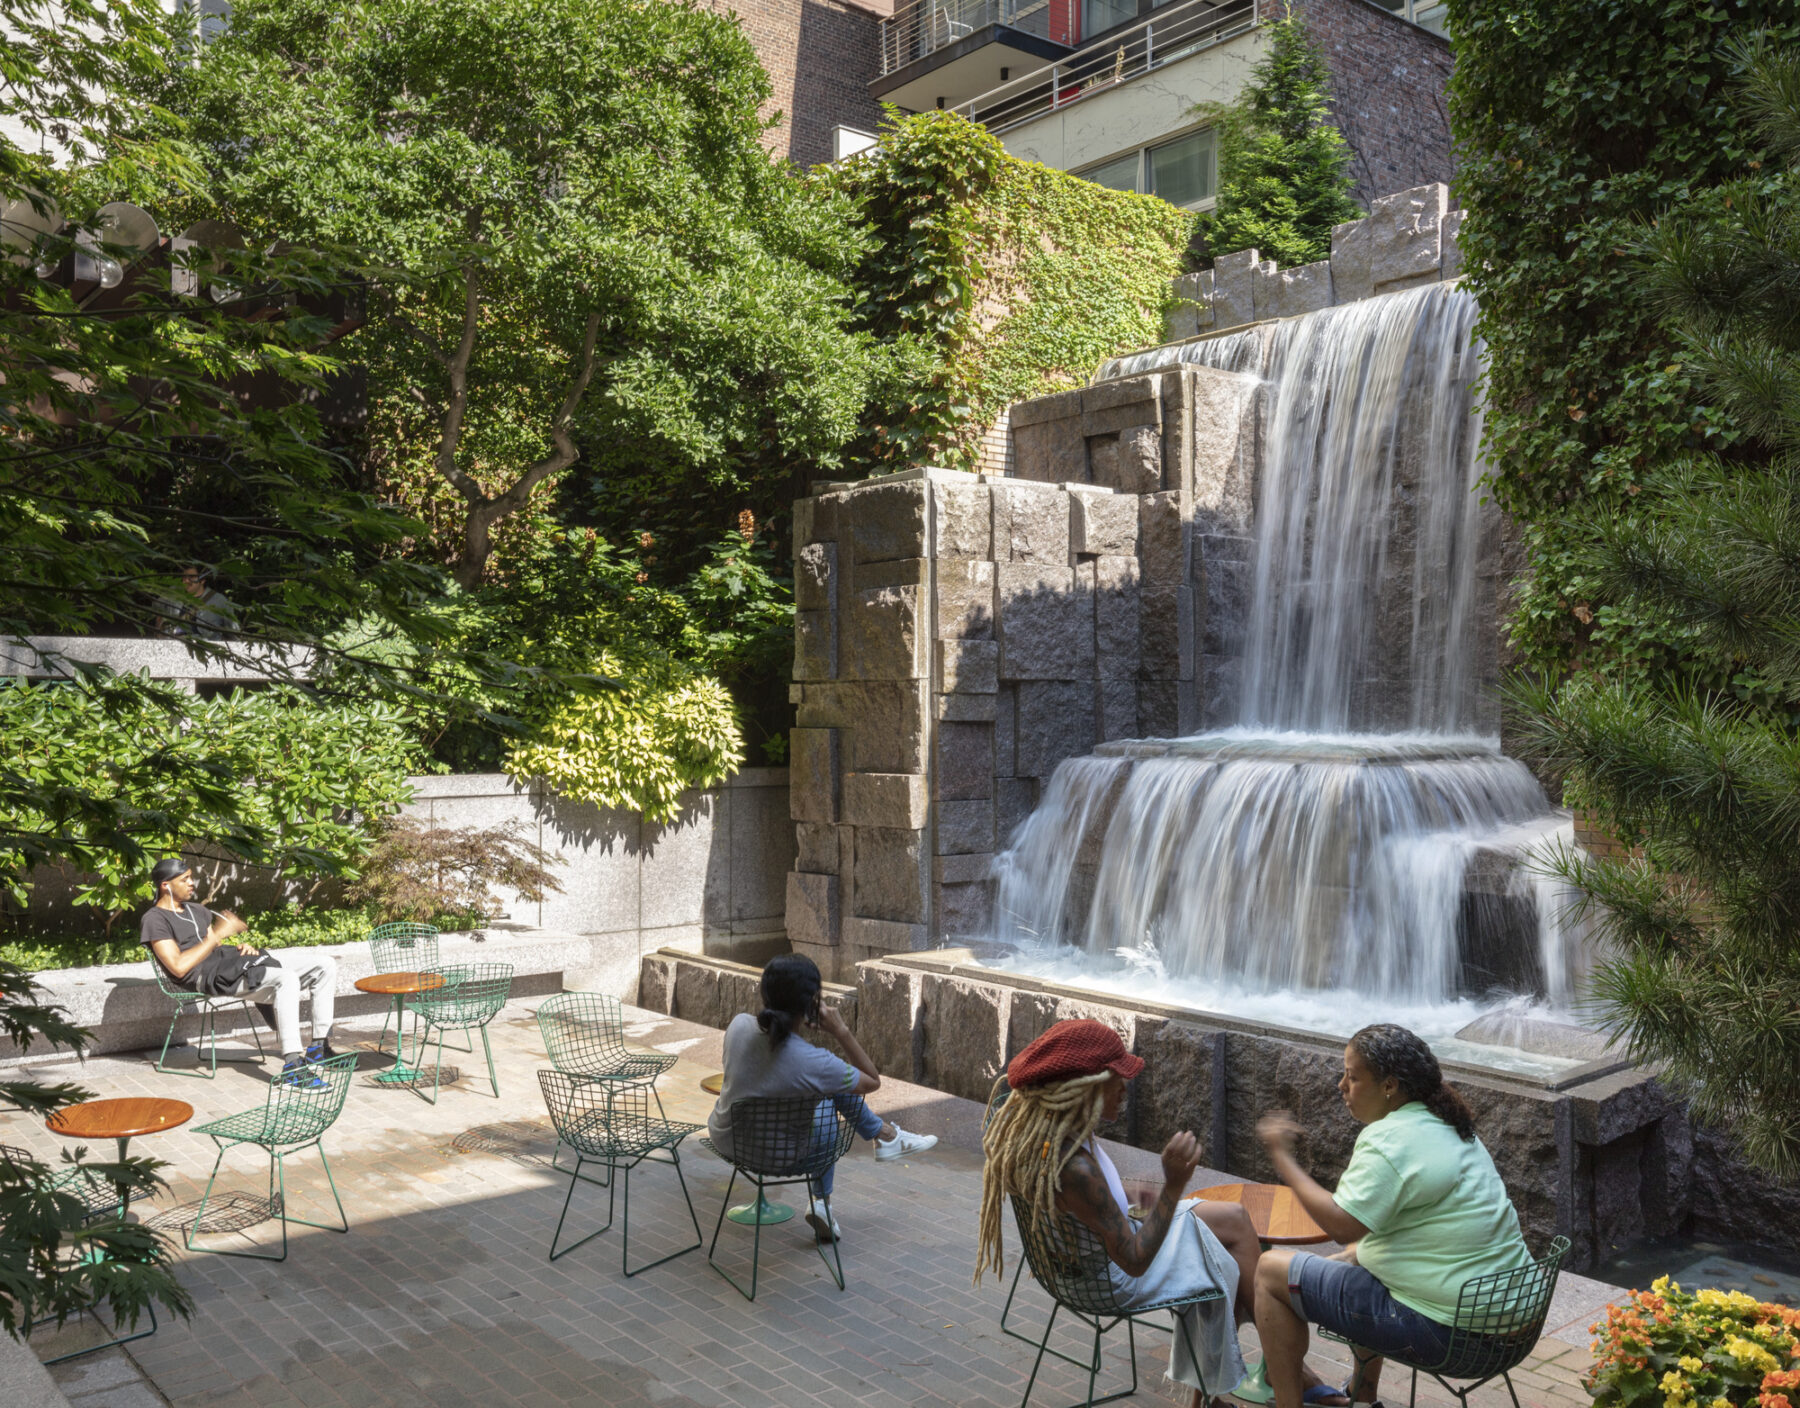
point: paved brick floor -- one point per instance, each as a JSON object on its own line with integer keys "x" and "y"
{"x": 441, "y": 1293}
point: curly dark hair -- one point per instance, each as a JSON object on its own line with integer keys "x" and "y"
{"x": 790, "y": 994}
{"x": 1394, "y": 1053}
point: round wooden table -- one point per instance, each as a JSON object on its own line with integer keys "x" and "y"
{"x": 1279, "y": 1221}
{"x": 1274, "y": 1211}
{"x": 122, "y": 1120}
{"x": 714, "y": 1083}
{"x": 400, "y": 986}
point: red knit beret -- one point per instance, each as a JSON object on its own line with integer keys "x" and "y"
{"x": 1069, "y": 1049}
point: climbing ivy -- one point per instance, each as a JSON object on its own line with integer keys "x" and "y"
{"x": 993, "y": 279}
{"x": 1578, "y": 123}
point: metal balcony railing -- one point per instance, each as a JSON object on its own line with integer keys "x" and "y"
{"x": 925, "y": 26}
{"x": 1171, "y": 34}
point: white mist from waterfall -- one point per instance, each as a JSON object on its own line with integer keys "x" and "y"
{"x": 1312, "y": 866}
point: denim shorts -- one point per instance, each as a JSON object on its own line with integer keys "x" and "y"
{"x": 1347, "y": 1300}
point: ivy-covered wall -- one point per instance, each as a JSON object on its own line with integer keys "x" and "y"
{"x": 995, "y": 279}
{"x": 1577, "y": 121}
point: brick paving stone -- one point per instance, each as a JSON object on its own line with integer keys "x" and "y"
{"x": 441, "y": 1294}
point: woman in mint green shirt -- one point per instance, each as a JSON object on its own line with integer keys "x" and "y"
{"x": 1419, "y": 1211}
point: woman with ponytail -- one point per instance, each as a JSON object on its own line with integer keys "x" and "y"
{"x": 765, "y": 1055}
{"x": 1419, "y": 1211}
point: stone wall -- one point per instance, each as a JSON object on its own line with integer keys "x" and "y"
{"x": 957, "y": 636}
{"x": 1601, "y": 1154}
{"x": 1408, "y": 239}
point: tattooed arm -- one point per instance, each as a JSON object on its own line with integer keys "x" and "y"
{"x": 1086, "y": 1198}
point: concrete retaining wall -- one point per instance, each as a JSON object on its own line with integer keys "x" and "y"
{"x": 714, "y": 880}
{"x": 124, "y": 1010}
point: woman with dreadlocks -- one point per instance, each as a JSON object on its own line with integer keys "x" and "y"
{"x": 1419, "y": 1211}
{"x": 1040, "y": 1148}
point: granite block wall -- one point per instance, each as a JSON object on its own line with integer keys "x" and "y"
{"x": 1407, "y": 239}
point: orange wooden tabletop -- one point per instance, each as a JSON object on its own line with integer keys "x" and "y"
{"x": 713, "y": 1084}
{"x": 391, "y": 983}
{"x": 1274, "y": 1211}
{"x": 119, "y": 1119}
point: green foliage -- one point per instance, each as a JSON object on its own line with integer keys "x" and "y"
{"x": 274, "y": 779}
{"x": 595, "y": 257}
{"x": 54, "y": 1261}
{"x": 1576, "y": 124}
{"x": 638, "y": 747}
{"x": 128, "y": 455}
{"x": 1705, "y": 782}
{"x": 992, "y": 279}
{"x": 416, "y": 871}
{"x": 1284, "y": 177}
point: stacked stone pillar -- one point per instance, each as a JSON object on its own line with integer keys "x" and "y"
{"x": 960, "y": 635}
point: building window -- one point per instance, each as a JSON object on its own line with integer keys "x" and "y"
{"x": 1180, "y": 171}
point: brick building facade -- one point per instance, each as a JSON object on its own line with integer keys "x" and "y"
{"x": 1388, "y": 78}
{"x": 821, "y": 56}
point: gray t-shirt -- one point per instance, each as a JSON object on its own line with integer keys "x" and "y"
{"x": 754, "y": 1068}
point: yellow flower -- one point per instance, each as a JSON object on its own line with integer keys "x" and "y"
{"x": 1689, "y": 1364}
{"x": 1721, "y": 1403}
{"x": 1662, "y": 1285}
{"x": 1749, "y": 1353}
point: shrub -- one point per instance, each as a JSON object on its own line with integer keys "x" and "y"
{"x": 422, "y": 872}
{"x": 278, "y": 779}
{"x": 640, "y": 745}
{"x": 1713, "y": 1349}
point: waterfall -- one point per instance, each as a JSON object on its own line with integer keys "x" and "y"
{"x": 1358, "y": 831}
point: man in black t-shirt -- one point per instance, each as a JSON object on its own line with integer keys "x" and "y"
{"x": 187, "y": 940}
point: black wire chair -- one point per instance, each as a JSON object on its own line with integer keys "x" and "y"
{"x": 609, "y": 1123}
{"x": 1499, "y": 1317}
{"x": 1072, "y": 1266}
{"x": 776, "y": 1141}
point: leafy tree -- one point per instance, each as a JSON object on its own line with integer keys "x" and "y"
{"x": 151, "y": 431}
{"x": 1283, "y": 166}
{"x": 1706, "y": 783}
{"x": 600, "y": 262}
{"x": 422, "y": 872}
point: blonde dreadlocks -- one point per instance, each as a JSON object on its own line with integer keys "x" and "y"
{"x": 1027, "y": 1145}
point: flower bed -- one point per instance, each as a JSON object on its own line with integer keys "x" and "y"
{"x": 1712, "y": 1349}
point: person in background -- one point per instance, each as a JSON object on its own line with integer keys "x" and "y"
{"x": 1420, "y": 1210}
{"x": 765, "y": 1055}
{"x": 188, "y": 941}
{"x": 1063, "y": 1086}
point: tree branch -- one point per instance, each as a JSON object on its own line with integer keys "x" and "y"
{"x": 458, "y": 367}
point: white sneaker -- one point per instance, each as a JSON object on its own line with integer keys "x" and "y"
{"x": 824, "y": 1225}
{"x": 903, "y": 1144}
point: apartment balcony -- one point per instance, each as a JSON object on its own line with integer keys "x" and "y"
{"x": 939, "y": 53}
{"x": 1172, "y": 35}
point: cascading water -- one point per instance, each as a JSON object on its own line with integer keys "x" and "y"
{"x": 1325, "y": 845}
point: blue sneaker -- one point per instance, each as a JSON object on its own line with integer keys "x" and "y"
{"x": 321, "y": 1050}
{"x": 300, "y": 1075}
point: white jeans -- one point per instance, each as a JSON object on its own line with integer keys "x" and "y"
{"x": 313, "y": 975}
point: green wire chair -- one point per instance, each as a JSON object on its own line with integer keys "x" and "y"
{"x": 609, "y": 1123}
{"x": 777, "y": 1140}
{"x": 584, "y": 1034}
{"x": 209, "y": 1007}
{"x": 473, "y": 993}
{"x": 293, "y": 1119}
{"x": 1499, "y": 1317}
{"x": 96, "y": 1199}
{"x": 1072, "y": 1266}
{"x": 402, "y": 946}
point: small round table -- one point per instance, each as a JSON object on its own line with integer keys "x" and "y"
{"x": 399, "y": 986}
{"x": 1280, "y": 1221}
{"x": 122, "y": 1120}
